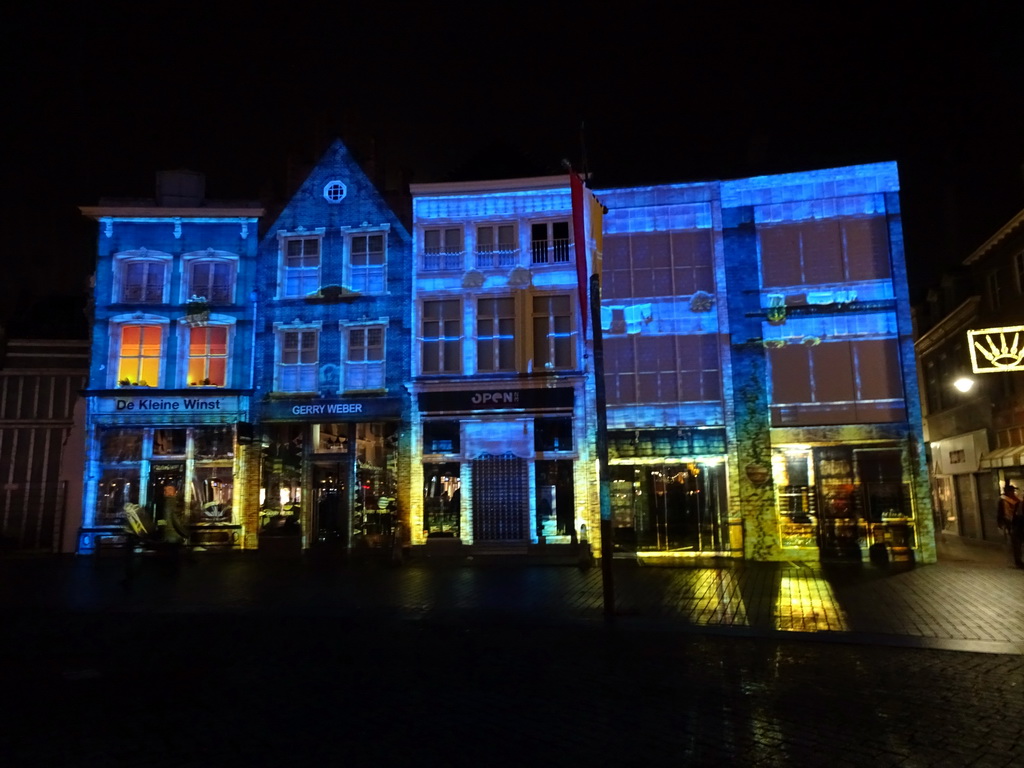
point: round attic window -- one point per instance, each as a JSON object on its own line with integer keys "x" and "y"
{"x": 334, "y": 192}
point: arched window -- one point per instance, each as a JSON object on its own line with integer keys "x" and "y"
{"x": 210, "y": 274}
{"x": 141, "y": 277}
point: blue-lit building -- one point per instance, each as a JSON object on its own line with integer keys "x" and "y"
{"x": 171, "y": 364}
{"x": 759, "y": 369}
{"x": 332, "y": 362}
{"x": 502, "y": 432}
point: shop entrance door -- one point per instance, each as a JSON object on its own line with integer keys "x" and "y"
{"x": 669, "y": 508}
{"x": 330, "y": 500}
{"x": 166, "y": 499}
{"x": 501, "y": 502}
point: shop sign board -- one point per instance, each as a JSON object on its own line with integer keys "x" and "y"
{"x": 497, "y": 399}
{"x": 145, "y": 405}
{"x": 997, "y": 350}
{"x": 325, "y": 409}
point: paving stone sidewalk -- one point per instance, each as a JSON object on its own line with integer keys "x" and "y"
{"x": 970, "y": 601}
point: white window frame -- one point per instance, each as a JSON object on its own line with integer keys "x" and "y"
{"x": 366, "y": 278}
{"x": 365, "y": 374}
{"x": 1018, "y": 269}
{"x": 551, "y": 334}
{"x": 190, "y": 260}
{"x": 185, "y": 351}
{"x": 141, "y": 255}
{"x": 442, "y": 337}
{"x": 491, "y": 251}
{"x": 115, "y": 328}
{"x": 496, "y": 337}
{"x": 281, "y": 331}
{"x": 443, "y": 256}
{"x": 307, "y": 276}
{"x": 551, "y": 250}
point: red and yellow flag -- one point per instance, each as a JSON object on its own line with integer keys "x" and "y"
{"x": 588, "y": 234}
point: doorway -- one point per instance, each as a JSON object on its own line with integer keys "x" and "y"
{"x": 330, "y": 502}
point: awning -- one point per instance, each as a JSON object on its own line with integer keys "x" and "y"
{"x": 1002, "y": 457}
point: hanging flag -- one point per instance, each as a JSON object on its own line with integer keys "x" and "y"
{"x": 587, "y": 230}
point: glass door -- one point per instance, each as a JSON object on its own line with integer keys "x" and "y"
{"x": 330, "y": 499}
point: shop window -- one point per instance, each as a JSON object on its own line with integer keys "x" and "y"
{"x": 552, "y": 434}
{"x": 207, "y": 356}
{"x": 297, "y": 361}
{"x": 376, "y": 491}
{"x": 118, "y": 445}
{"x": 139, "y": 354}
{"x": 442, "y": 500}
{"x": 367, "y": 257}
{"x": 169, "y": 442}
{"x": 496, "y": 334}
{"x": 212, "y": 280}
{"x": 496, "y": 246}
{"x": 364, "y": 361}
{"x": 554, "y": 338}
{"x": 117, "y": 487}
{"x": 330, "y": 438}
{"x": 442, "y": 336}
{"x": 550, "y": 242}
{"x": 301, "y": 266}
{"x": 212, "y": 492}
{"x": 213, "y": 442}
{"x": 281, "y": 493}
{"x": 442, "y": 249}
{"x": 441, "y": 437}
{"x": 556, "y": 513}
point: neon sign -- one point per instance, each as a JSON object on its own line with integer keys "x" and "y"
{"x": 997, "y": 350}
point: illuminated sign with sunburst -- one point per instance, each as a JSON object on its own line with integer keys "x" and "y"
{"x": 997, "y": 350}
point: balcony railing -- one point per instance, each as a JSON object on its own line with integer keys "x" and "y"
{"x": 551, "y": 251}
{"x": 438, "y": 260}
{"x": 496, "y": 258}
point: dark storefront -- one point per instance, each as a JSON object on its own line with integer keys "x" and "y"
{"x": 514, "y": 452}
{"x": 330, "y": 471}
{"x": 174, "y": 456}
{"x": 668, "y": 491}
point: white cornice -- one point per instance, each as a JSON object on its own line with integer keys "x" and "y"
{"x": 499, "y": 185}
{"x": 144, "y": 213}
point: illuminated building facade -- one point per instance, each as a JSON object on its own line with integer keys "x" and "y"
{"x": 971, "y": 348}
{"x": 758, "y": 368}
{"x": 827, "y": 459}
{"x": 501, "y": 432}
{"x": 332, "y": 362}
{"x": 171, "y": 371}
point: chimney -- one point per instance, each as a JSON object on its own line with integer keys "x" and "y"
{"x": 180, "y": 189}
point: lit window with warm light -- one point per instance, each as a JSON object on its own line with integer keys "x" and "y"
{"x": 139, "y": 356}
{"x": 207, "y": 356}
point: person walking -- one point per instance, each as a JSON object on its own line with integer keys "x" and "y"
{"x": 1011, "y": 520}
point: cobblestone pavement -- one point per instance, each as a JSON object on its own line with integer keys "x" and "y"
{"x": 220, "y": 662}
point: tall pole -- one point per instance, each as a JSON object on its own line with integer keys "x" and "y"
{"x": 604, "y": 481}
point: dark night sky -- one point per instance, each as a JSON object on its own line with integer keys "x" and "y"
{"x": 101, "y": 96}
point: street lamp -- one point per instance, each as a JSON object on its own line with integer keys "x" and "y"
{"x": 964, "y": 384}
